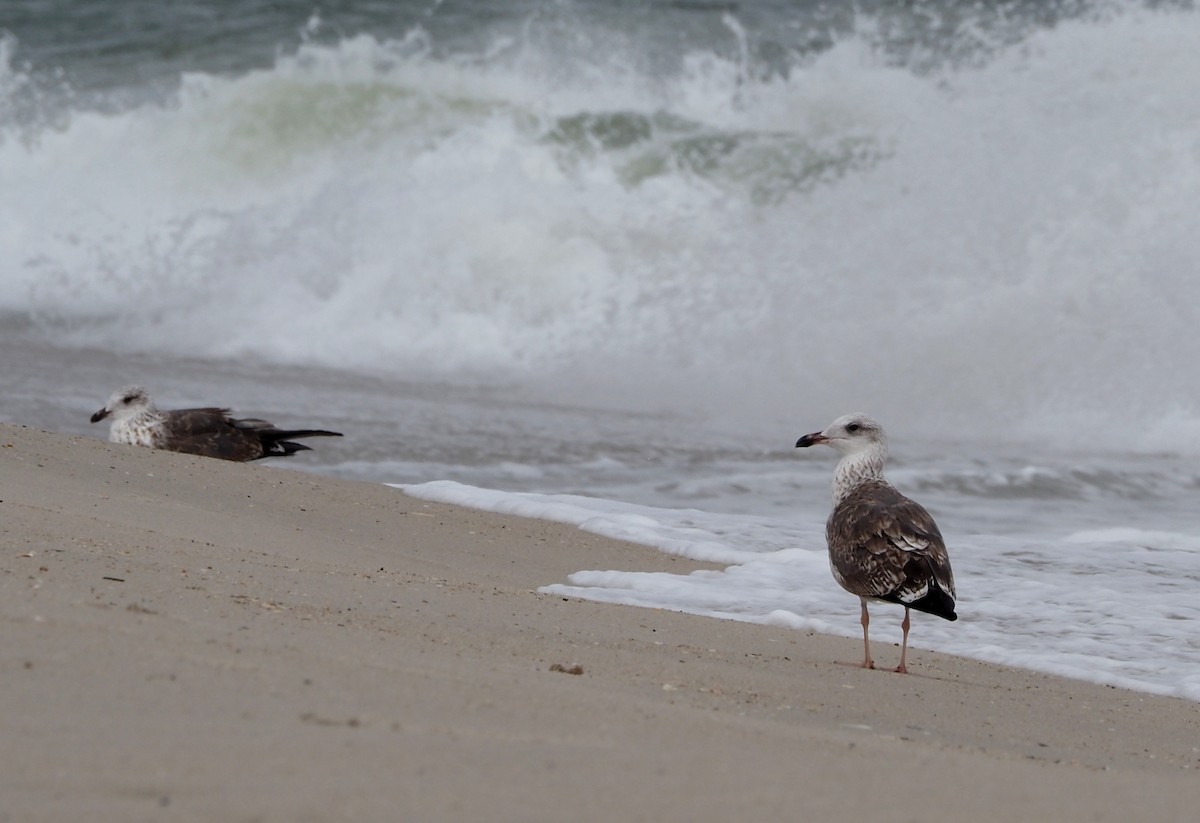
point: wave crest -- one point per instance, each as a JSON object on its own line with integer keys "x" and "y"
{"x": 1004, "y": 241}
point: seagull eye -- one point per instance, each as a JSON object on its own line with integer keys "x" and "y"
{"x": 853, "y": 427}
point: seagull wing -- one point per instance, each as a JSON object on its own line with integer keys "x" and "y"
{"x": 210, "y": 432}
{"x": 883, "y": 545}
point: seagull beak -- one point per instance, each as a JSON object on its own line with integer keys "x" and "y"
{"x": 100, "y": 415}
{"x": 811, "y": 440}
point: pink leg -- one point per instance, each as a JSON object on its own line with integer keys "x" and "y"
{"x": 868, "y": 663}
{"x": 904, "y": 644}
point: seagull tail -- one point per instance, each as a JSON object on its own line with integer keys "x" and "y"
{"x": 935, "y": 602}
{"x": 277, "y": 443}
{"x": 291, "y": 434}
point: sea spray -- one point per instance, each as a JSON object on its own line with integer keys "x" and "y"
{"x": 999, "y": 241}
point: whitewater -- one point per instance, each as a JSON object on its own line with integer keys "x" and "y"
{"x": 604, "y": 263}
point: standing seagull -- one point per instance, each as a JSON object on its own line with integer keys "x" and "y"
{"x": 208, "y": 432}
{"x": 882, "y": 546}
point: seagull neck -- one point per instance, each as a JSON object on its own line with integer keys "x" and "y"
{"x": 854, "y": 470}
{"x": 149, "y": 416}
{"x": 143, "y": 428}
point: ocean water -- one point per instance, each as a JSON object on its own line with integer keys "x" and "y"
{"x": 606, "y": 261}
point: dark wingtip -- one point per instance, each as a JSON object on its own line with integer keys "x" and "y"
{"x": 937, "y": 603}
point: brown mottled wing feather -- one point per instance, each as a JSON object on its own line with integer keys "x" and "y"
{"x": 883, "y": 545}
{"x": 211, "y": 433}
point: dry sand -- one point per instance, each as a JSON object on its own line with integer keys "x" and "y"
{"x": 187, "y": 639}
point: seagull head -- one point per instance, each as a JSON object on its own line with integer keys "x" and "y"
{"x": 850, "y": 434}
{"x": 125, "y": 402}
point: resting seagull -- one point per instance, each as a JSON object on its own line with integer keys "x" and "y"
{"x": 882, "y": 546}
{"x": 207, "y": 432}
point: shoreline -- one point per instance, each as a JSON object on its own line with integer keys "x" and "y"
{"x": 248, "y": 642}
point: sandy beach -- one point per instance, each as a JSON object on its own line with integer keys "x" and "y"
{"x": 187, "y": 639}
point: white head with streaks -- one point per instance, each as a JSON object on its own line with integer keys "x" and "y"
{"x": 125, "y": 403}
{"x": 863, "y": 445}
